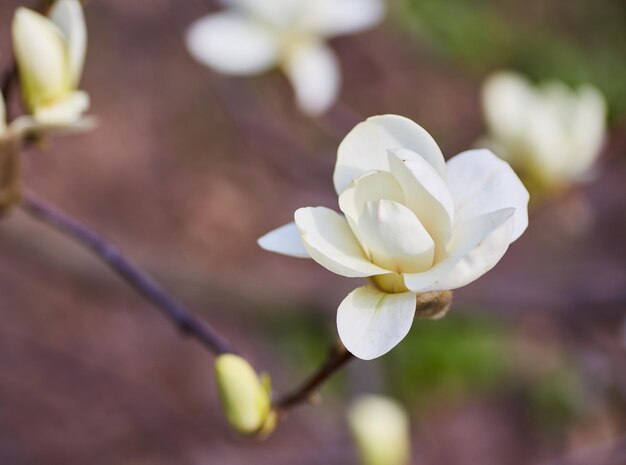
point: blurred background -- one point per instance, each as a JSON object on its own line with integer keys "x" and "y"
{"x": 188, "y": 168}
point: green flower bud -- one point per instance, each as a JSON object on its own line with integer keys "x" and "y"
{"x": 380, "y": 428}
{"x": 245, "y": 398}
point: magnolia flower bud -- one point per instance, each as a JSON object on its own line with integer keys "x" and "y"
{"x": 50, "y": 55}
{"x": 244, "y": 397}
{"x": 380, "y": 428}
{"x": 551, "y": 133}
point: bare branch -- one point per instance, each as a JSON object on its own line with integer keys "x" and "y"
{"x": 187, "y": 323}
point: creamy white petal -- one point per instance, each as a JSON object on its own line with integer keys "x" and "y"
{"x": 394, "y": 237}
{"x": 284, "y": 240}
{"x": 68, "y": 16}
{"x": 64, "y": 112}
{"x": 277, "y": 13}
{"x": 426, "y": 193}
{"x": 376, "y": 185}
{"x": 477, "y": 245}
{"x": 338, "y": 17}
{"x": 313, "y": 71}
{"x": 26, "y": 125}
{"x": 41, "y": 55}
{"x": 371, "y": 323}
{"x": 329, "y": 241}
{"x": 230, "y": 43}
{"x": 588, "y": 129}
{"x": 507, "y": 100}
{"x": 365, "y": 148}
{"x": 480, "y": 183}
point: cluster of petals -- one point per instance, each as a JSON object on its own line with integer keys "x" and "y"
{"x": 50, "y": 54}
{"x": 551, "y": 132}
{"x": 411, "y": 223}
{"x": 250, "y": 37}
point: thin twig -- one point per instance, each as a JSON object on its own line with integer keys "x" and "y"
{"x": 338, "y": 357}
{"x": 187, "y": 323}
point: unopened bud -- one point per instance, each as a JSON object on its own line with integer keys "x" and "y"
{"x": 380, "y": 428}
{"x": 245, "y": 398}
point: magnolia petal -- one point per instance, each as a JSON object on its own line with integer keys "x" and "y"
{"x": 371, "y": 322}
{"x": 41, "y": 55}
{"x": 68, "y": 16}
{"x": 284, "y": 240}
{"x": 26, "y": 125}
{"x": 426, "y": 193}
{"x": 588, "y": 129}
{"x": 65, "y": 112}
{"x": 376, "y": 185}
{"x": 329, "y": 241}
{"x": 365, "y": 148}
{"x": 313, "y": 71}
{"x": 480, "y": 182}
{"x": 278, "y": 13}
{"x": 394, "y": 237}
{"x": 507, "y": 102}
{"x": 477, "y": 245}
{"x": 232, "y": 44}
{"x": 337, "y": 17}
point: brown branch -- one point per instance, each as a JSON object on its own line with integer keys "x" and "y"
{"x": 336, "y": 360}
{"x": 187, "y": 323}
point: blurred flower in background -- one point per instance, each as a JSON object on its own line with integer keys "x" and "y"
{"x": 550, "y": 133}
{"x": 413, "y": 224}
{"x": 380, "y": 428}
{"x": 251, "y": 37}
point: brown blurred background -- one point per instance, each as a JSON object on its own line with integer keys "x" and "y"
{"x": 188, "y": 168}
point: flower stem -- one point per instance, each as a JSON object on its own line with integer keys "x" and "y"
{"x": 183, "y": 319}
{"x": 336, "y": 360}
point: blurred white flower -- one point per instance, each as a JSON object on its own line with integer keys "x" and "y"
{"x": 380, "y": 428}
{"x": 253, "y": 36}
{"x": 551, "y": 133}
{"x": 413, "y": 223}
{"x": 50, "y": 53}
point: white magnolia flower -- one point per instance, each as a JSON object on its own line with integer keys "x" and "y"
{"x": 50, "y": 53}
{"x": 380, "y": 428}
{"x": 411, "y": 223}
{"x": 550, "y": 132}
{"x": 253, "y": 36}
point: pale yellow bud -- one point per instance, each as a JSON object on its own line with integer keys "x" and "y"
{"x": 380, "y": 428}
{"x": 244, "y": 397}
{"x": 50, "y": 54}
{"x": 42, "y": 58}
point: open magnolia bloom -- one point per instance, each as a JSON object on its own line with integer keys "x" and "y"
{"x": 50, "y": 53}
{"x": 253, "y": 36}
{"x": 551, "y": 133}
{"x": 411, "y": 223}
